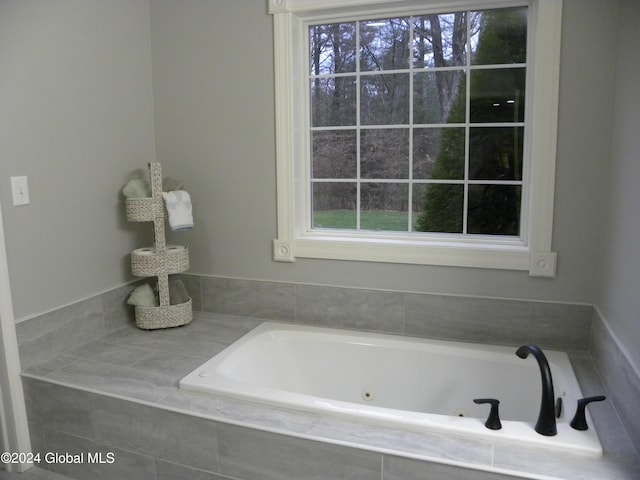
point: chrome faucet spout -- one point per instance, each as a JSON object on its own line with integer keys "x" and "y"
{"x": 546, "y": 424}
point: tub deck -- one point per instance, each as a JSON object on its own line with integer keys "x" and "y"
{"x": 144, "y": 367}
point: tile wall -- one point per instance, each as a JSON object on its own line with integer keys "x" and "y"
{"x": 470, "y": 319}
{"x": 508, "y": 322}
{"x": 618, "y": 376}
{"x": 46, "y": 336}
{"x": 156, "y": 444}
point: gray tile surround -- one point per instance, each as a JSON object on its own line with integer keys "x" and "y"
{"x": 350, "y": 308}
{"x": 138, "y": 366}
{"x": 402, "y": 469}
{"x": 265, "y": 456}
{"x": 480, "y": 320}
{"x": 46, "y": 336}
{"x": 468, "y": 319}
{"x": 33, "y": 473}
{"x": 618, "y": 376}
{"x": 214, "y": 437}
{"x": 269, "y": 300}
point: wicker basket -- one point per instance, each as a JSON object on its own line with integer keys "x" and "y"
{"x": 144, "y": 209}
{"x": 146, "y": 262}
{"x": 159, "y": 261}
{"x": 151, "y": 318}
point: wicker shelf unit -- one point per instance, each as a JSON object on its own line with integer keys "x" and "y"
{"x": 158, "y": 261}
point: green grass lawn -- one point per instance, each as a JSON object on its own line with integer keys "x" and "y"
{"x": 369, "y": 220}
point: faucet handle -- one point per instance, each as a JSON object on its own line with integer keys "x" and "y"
{"x": 493, "y": 421}
{"x": 579, "y": 421}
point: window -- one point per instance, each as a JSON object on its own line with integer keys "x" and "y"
{"x": 410, "y": 134}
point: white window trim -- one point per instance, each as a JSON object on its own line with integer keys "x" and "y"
{"x": 532, "y": 252}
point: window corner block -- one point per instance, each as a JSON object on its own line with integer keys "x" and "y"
{"x": 543, "y": 264}
{"x": 278, "y": 6}
{"x": 282, "y": 251}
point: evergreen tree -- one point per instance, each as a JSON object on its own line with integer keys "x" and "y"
{"x": 497, "y": 95}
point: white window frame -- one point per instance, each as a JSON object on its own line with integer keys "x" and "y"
{"x": 531, "y": 252}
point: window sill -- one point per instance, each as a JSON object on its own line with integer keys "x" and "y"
{"x": 399, "y": 249}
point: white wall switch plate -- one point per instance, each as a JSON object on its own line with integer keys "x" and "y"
{"x": 20, "y": 190}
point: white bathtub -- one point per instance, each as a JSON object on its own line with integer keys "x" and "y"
{"x": 407, "y": 383}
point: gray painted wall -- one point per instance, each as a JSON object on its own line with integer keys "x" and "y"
{"x": 87, "y": 82}
{"x": 618, "y": 298}
{"x": 76, "y": 116}
{"x": 214, "y": 111}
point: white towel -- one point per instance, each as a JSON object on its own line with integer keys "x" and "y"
{"x": 178, "y": 203}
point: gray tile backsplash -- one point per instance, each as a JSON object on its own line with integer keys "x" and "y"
{"x": 46, "y": 336}
{"x": 467, "y": 319}
{"x": 115, "y": 308}
{"x": 618, "y": 376}
{"x": 447, "y": 317}
{"x": 269, "y": 300}
{"x": 470, "y": 319}
{"x": 350, "y": 308}
{"x": 558, "y": 325}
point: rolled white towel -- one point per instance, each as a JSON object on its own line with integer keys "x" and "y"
{"x": 178, "y": 204}
{"x": 143, "y": 296}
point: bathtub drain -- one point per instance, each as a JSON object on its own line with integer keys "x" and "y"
{"x": 368, "y": 394}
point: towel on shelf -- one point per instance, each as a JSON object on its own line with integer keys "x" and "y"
{"x": 178, "y": 204}
{"x": 143, "y": 296}
{"x": 137, "y": 188}
{"x": 177, "y": 292}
